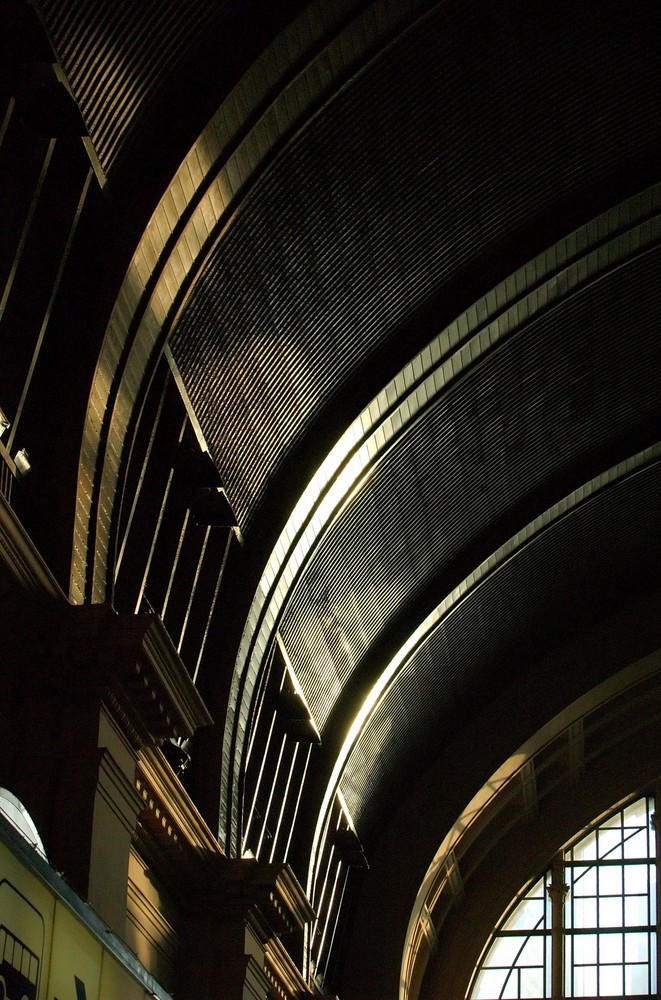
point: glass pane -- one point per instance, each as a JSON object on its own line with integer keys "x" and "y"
{"x": 636, "y": 980}
{"x": 635, "y": 845}
{"x": 490, "y": 983}
{"x": 610, "y": 912}
{"x": 585, "y": 949}
{"x": 585, "y": 981}
{"x": 533, "y": 952}
{"x": 610, "y": 980}
{"x": 505, "y": 951}
{"x": 511, "y": 989}
{"x": 636, "y": 947}
{"x": 587, "y": 849}
{"x": 528, "y": 916}
{"x": 538, "y": 890}
{"x": 652, "y": 871}
{"x": 610, "y": 880}
{"x": 585, "y": 913}
{"x": 637, "y": 813}
{"x": 585, "y": 881}
{"x": 610, "y": 949}
{"x": 532, "y": 982}
{"x": 610, "y": 844}
{"x": 635, "y": 879}
{"x": 635, "y": 911}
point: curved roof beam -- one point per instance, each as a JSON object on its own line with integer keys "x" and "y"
{"x": 361, "y": 726}
{"x": 582, "y": 257}
{"x": 260, "y": 116}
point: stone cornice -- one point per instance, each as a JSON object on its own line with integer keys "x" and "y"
{"x": 140, "y": 675}
{"x": 117, "y": 791}
{"x": 282, "y": 972}
{"x": 242, "y": 892}
{"x": 169, "y": 812}
{"x": 268, "y": 894}
{"x": 124, "y": 661}
{"x": 268, "y": 897}
{"x": 151, "y": 673}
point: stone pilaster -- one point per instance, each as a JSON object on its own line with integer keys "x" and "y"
{"x": 238, "y": 923}
{"x": 84, "y": 690}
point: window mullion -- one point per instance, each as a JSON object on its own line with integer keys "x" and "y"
{"x": 656, "y": 823}
{"x": 557, "y": 891}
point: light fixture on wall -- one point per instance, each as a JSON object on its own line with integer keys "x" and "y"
{"x": 22, "y": 463}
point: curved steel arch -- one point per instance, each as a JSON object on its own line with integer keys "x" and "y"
{"x": 581, "y": 258}
{"x": 258, "y": 118}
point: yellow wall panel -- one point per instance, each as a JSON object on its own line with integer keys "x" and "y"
{"x": 48, "y": 952}
{"x": 116, "y": 983}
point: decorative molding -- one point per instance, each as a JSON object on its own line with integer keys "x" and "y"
{"x": 283, "y": 974}
{"x": 130, "y": 663}
{"x": 241, "y": 908}
{"x": 149, "y": 680}
{"x": 256, "y": 982}
{"x": 576, "y": 741}
{"x": 454, "y": 880}
{"x": 528, "y": 779}
{"x": 178, "y": 826}
{"x": 268, "y": 895}
{"x": 150, "y": 921}
{"x": 117, "y": 791}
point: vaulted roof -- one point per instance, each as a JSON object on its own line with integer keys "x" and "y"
{"x": 405, "y": 260}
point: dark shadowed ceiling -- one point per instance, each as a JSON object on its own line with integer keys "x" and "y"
{"x": 408, "y": 265}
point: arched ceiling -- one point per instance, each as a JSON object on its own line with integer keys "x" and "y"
{"x": 427, "y": 474}
{"x": 408, "y": 276}
{"x": 380, "y": 204}
{"x": 333, "y": 272}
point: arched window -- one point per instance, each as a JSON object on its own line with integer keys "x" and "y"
{"x": 587, "y": 927}
{"x": 14, "y": 811}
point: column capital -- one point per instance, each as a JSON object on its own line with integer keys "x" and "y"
{"x": 267, "y": 894}
{"x": 237, "y": 911}
{"x": 138, "y": 673}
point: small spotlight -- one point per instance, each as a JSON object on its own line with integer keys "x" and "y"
{"x": 22, "y": 462}
{"x": 4, "y": 423}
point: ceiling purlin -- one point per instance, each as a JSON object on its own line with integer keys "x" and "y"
{"x": 448, "y": 662}
{"x": 503, "y": 438}
{"x": 377, "y": 446}
{"x": 276, "y": 95}
{"x": 363, "y": 218}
